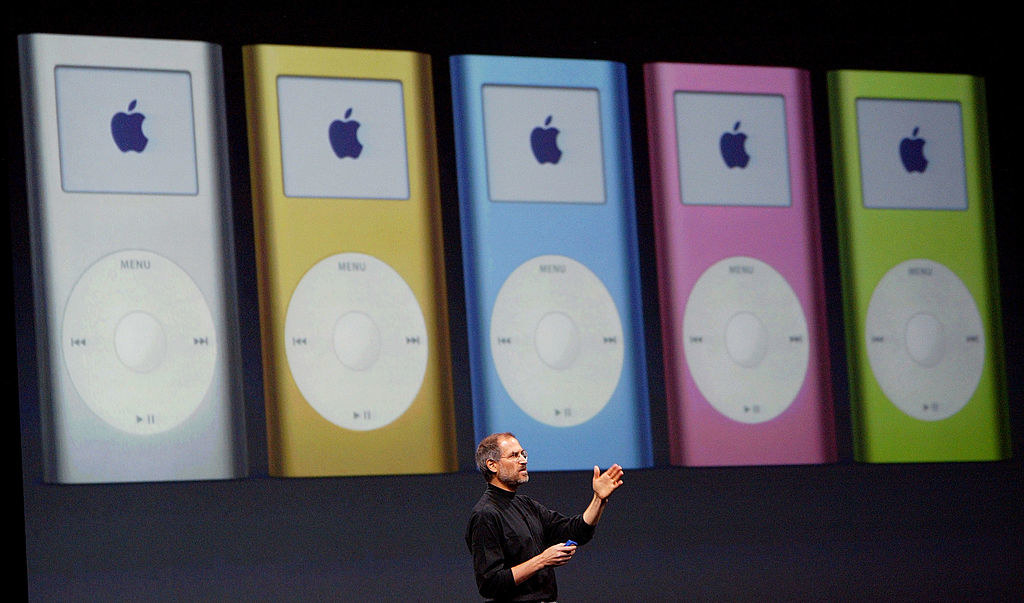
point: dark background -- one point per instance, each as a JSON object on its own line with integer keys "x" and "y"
{"x": 848, "y": 530}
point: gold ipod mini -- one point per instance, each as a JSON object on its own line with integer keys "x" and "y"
{"x": 350, "y": 261}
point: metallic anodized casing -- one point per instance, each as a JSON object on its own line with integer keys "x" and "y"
{"x": 498, "y": 237}
{"x": 293, "y": 234}
{"x": 873, "y": 241}
{"x": 72, "y": 231}
{"x": 692, "y": 238}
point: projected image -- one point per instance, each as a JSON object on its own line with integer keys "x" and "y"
{"x": 351, "y": 261}
{"x": 543, "y": 144}
{"x": 556, "y": 341}
{"x": 911, "y": 154}
{"x": 555, "y": 331}
{"x": 343, "y": 138}
{"x": 551, "y": 282}
{"x": 732, "y": 149}
{"x": 270, "y": 291}
{"x": 135, "y": 324}
{"x": 126, "y": 131}
{"x": 917, "y": 250}
{"x": 741, "y": 294}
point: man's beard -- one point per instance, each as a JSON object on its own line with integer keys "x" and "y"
{"x": 512, "y": 478}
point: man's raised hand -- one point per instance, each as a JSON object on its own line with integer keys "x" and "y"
{"x": 607, "y": 482}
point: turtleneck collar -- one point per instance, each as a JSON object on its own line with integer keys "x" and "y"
{"x": 500, "y": 491}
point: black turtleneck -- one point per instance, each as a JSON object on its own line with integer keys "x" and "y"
{"x": 507, "y": 529}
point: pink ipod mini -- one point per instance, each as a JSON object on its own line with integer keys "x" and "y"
{"x": 739, "y": 262}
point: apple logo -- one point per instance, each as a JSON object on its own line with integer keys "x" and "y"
{"x": 344, "y": 137}
{"x": 912, "y": 153}
{"x": 544, "y": 144}
{"x": 731, "y": 144}
{"x": 126, "y": 128}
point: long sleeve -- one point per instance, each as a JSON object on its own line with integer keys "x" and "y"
{"x": 506, "y": 530}
{"x": 559, "y": 528}
{"x": 493, "y": 573}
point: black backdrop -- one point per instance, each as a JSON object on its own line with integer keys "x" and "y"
{"x": 847, "y": 530}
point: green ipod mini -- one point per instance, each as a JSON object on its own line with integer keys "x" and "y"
{"x": 918, "y": 262}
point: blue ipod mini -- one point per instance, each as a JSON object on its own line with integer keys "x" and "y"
{"x": 550, "y": 259}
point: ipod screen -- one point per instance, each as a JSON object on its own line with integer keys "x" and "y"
{"x": 732, "y": 149}
{"x": 343, "y": 138}
{"x": 911, "y": 154}
{"x": 543, "y": 144}
{"x": 126, "y": 131}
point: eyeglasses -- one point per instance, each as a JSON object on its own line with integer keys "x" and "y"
{"x": 521, "y": 454}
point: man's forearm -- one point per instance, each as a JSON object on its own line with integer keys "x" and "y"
{"x": 592, "y": 514}
{"x": 524, "y": 570}
{"x": 554, "y": 555}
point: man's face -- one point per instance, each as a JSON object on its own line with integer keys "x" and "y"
{"x": 511, "y": 469}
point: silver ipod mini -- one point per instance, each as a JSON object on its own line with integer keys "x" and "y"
{"x": 130, "y": 210}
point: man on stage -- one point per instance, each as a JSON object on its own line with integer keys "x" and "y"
{"x": 516, "y": 542}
